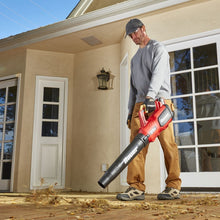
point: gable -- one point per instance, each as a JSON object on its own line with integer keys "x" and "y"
{"x": 97, "y": 4}
{"x": 85, "y": 6}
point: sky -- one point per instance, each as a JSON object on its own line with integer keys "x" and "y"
{"x": 17, "y": 16}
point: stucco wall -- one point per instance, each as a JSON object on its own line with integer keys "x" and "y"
{"x": 96, "y": 122}
{"x": 12, "y": 62}
{"x": 183, "y": 20}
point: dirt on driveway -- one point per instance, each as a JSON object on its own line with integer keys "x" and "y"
{"x": 48, "y": 204}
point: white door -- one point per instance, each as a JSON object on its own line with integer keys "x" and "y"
{"x": 195, "y": 84}
{"x": 48, "y": 149}
{"x": 124, "y": 131}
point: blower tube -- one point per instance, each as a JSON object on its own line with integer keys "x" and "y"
{"x": 139, "y": 142}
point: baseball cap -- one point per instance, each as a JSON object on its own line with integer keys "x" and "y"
{"x": 133, "y": 25}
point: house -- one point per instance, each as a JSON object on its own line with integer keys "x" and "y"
{"x": 57, "y": 127}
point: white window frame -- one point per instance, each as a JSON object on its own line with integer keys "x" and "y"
{"x": 5, "y": 78}
{"x": 198, "y": 179}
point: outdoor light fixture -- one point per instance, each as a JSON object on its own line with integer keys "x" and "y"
{"x": 105, "y": 80}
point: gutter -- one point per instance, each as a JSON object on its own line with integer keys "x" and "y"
{"x": 117, "y": 12}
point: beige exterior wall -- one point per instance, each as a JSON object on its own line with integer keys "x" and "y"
{"x": 96, "y": 121}
{"x": 199, "y": 16}
{"x": 16, "y": 57}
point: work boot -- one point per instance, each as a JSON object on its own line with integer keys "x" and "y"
{"x": 131, "y": 194}
{"x": 168, "y": 194}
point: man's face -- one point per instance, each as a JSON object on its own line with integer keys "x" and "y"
{"x": 137, "y": 36}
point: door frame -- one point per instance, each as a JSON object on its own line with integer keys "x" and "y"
{"x": 124, "y": 94}
{"x": 36, "y": 110}
{"x": 5, "y": 78}
{"x": 198, "y": 179}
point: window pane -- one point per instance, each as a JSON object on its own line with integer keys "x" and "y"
{"x": 184, "y": 108}
{"x": 187, "y": 160}
{"x": 2, "y": 112}
{"x": 180, "y": 60}
{"x": 12, "y": 92}
{"x": 208, "y": 105}
{"x": 10, "y": 113}
{"x": 50, "y": 111}
{"x": 9, "y": 131}
{"x": 8, "y": 150}
{"x": 208, "y": 132}
{"x": 209, "y": 159}
{"x": 184, "y": 133}
{"x": 206, "y": 80}
{"x": 205, "y": 55}
{"x": 51, "y": 94}
{"x": 2, "y": 96}
{"x": 6, "y": 171}
{"x": 50, "y": 129}
{"x": 181, "y": 84}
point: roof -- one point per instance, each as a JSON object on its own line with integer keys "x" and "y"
{"x": 67, "y": 36}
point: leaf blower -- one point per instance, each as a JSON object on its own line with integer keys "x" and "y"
{"x": 149, "y": 130}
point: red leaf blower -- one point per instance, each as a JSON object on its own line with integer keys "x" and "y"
{"x": 150, "y": 129}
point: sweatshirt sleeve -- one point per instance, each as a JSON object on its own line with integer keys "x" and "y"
{"x": 160, "y": 70}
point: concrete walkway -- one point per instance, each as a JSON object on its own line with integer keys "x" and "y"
{"x": 47, "y": 204}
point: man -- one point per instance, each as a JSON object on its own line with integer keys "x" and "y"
{"x": 150, "y": 80}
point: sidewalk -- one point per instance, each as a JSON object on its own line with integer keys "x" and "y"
{"x": 86, "y": 206}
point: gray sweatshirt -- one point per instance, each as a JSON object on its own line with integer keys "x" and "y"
{"x": 150, "y": 74}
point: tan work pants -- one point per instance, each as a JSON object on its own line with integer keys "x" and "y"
{"x": 136, "y": 168}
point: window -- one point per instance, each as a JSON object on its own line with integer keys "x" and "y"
{"x": 196, "y": 95}
{"x": 8, "y": 96}
{"x": 50, "y": 112}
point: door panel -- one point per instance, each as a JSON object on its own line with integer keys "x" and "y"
{"x": 49, "y": 170}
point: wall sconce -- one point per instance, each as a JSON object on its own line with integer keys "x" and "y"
{"x": 105, "y": 80}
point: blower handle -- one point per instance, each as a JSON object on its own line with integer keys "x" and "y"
{"x": 142, "y": 112}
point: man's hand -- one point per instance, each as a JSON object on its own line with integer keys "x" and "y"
{"x": 150, "y": 104}
{"x": 129, "y": 121}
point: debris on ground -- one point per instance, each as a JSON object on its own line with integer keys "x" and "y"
{"x": 106, "y": 206}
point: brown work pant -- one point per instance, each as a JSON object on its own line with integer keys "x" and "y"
{"x": 136, "y": 168}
